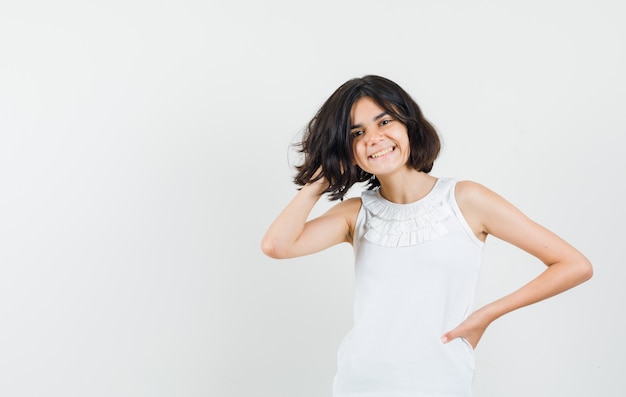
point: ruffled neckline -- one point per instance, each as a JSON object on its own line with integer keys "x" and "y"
{"x": 402, "y": 225}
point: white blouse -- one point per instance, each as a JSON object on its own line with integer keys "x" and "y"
{"x": 416, "y": 269}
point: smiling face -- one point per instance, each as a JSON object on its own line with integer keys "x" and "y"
{"x": 380, "y": 143}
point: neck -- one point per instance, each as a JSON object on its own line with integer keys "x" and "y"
{"x": 406, "y": 187}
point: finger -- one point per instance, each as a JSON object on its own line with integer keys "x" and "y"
{"x": 448, "y": 336}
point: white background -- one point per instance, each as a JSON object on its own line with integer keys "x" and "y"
{"x": 144, "y": 151}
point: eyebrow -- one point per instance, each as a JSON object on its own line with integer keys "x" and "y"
{"x": 383, "y": 114}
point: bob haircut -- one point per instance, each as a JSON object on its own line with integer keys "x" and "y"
{"x": 327, "y": 142}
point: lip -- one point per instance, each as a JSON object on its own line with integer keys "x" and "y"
{"x": 381, "y": 153}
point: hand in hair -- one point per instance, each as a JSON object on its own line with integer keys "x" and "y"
{"x": 321, "y": 185}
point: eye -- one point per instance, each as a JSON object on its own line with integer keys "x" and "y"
{"x": 356, "y": 133}
{"x": 385, "y": 122}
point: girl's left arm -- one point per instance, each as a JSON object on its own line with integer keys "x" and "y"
{"x": 489, "y": 214}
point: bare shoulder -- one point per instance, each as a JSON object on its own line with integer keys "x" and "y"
{"x": 470, "y": 191}
{"x": 348, "y": 210}
{"x": 467, "y": 195}
{"x": 488, "y": 211}
{"x": 477, "y": 204}
{"x": 472, "y": 195}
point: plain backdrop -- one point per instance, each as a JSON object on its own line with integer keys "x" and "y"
{"x": 144, "y": 150}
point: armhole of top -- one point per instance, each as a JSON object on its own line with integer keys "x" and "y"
{"x": 461, "y": 218}
{"x": 358, "y": 224}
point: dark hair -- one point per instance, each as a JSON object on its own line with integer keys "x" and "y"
{"x": 327, "y": 142}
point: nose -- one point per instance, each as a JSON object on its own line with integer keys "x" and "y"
{"x": 374, "y": 136}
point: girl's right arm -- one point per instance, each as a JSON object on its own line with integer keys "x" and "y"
{"x": 290, "y": 235}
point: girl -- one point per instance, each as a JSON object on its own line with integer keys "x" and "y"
{"x": 417, "y": 242}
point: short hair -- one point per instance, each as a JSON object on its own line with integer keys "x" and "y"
{"x": 327, "y": 142}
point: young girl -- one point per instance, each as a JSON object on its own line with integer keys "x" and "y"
{"x": 417, "y": 241}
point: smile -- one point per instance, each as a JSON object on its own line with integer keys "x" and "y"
{"x": 382, "y": 152}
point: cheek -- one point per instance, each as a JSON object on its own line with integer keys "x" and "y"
{"x": 359, "y": 154}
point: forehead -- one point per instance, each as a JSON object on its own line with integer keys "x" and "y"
{"x": 364, "y": 110}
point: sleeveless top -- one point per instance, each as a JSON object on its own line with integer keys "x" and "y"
{"x": 416, "y": 269}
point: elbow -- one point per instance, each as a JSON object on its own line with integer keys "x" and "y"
{"x": 581, "y": 270}
{"x": 586, "y": 270}
{"x": 272, "y": 250}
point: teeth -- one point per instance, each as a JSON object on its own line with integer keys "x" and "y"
{"x": 382, "y": 152}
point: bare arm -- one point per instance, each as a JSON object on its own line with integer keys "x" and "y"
{"x": 291, "y": 235}
{"x": 488, "y": 213}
